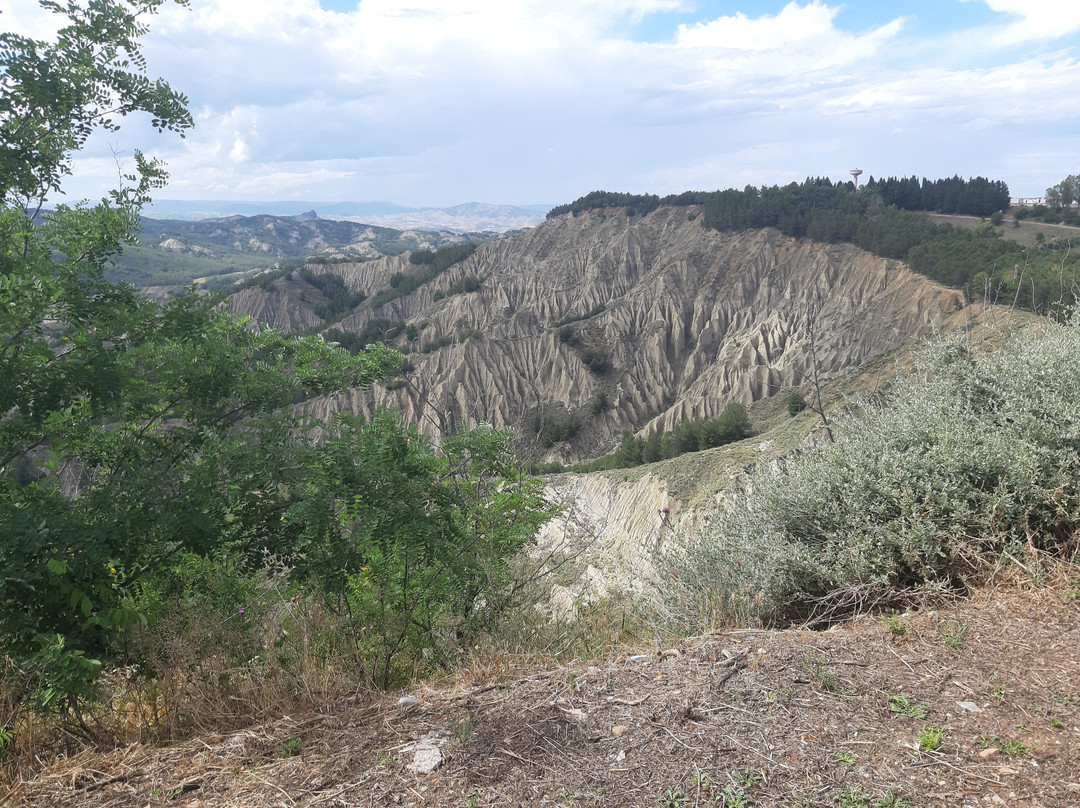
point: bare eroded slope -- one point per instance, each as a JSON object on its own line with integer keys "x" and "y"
{"x": 691, "y": 320}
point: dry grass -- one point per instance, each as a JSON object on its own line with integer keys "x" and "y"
{"x": 792, "y": 717}
{"x": 1026, "y": 234}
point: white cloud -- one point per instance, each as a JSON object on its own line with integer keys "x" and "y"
{"x": 1039, "y": 21}
{"x": 798, "y": 38}
{"x": 239, "y": 151}
{"x": 440, "y": 101}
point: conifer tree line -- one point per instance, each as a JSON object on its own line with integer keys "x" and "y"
{"x": 887, "y": 218}
{"x": 974, "y": 197}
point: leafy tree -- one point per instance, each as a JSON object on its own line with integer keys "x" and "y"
{"x": 140, "y": 440}
{"x": 131, "y": 432}
{"x": 1065, "y": 193}
{"x": 795, "y": 403}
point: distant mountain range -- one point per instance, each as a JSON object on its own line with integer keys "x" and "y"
{"x": 471, "y": 217}
{"x": 218, "y": 252}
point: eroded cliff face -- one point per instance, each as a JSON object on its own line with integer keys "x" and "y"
{"x": 691, "y": 319}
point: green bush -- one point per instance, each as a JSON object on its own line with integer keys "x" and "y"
{"x": 596, "y": 360}
{"x": 437, "y": 343}
{"x": 795, "y": 403}
{"x": 969, "y": 456}
{"x": 599, "y": 402}
{"x": 733, "y": 424}
{"x": 552, "y": 429}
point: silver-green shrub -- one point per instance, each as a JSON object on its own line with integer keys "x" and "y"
{"x": 970, "y": 454}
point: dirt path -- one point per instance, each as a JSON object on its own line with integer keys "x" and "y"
{"x": 784, "y": 718}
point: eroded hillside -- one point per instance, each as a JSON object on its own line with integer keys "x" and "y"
{"x": 675, "y": 322}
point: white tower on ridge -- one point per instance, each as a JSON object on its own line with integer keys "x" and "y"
{"x": 855, "y": 172}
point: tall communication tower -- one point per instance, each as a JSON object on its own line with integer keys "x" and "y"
{"x": 855, "y": 172}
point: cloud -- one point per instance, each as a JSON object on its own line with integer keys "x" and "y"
{"x": 441, "y": 101}
{"x": 1040, "y": 21}
{"x": 798, "y": 38}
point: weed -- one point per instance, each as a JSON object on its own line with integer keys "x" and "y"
{"x": 673, "y": 798}
{"x": 931, "y": 738}
{"x": 819, "y": 667}
{"x": 462, "y": 726}
{"x": 747, "y": 778}
{"x": 903, "y": 704}
{"x": 290, "y": 747}
{"x": 852, "y": 798}
{"x": 702, "y": 782}
{"x": 891, "y": 799}
{"x": 6, "y": 737}
{"x": 1066, "y": 700}
{"x": 731, "y": 797}
{"x": 385, "y": 758}
{"x": 844, "y": 757}
{"x": 781, "y": 694}
{"x": 998, "y": 687}
{"x": 955, "y": 632}
{"x": 1007, "y": 746}
{"x": 570, "y": 798}
{"x": 1056, "y": 724}
{"x": 798, "y": 800}
{"x": 894, "y": 625}
{"x": 473, "y": 797}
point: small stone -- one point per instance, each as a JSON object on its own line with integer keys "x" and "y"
{"x": 619, "y": 729}
{"x": 573, "y": 714}
{"x": 426, "y": 759}
{"x": 989, "y": 752}
{"x": 1006, "y": 770}
{"x": 970, "y": 706}
{"x": 997, "y": 800}
{"x": 408, "y": 703}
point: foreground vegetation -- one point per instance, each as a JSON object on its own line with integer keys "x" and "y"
{"x": 162, "y": 501}
{"x": 971, "y": 457}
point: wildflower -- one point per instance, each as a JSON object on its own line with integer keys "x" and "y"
{"x": 240, "y": 612}
{"x": 664, "y": 510}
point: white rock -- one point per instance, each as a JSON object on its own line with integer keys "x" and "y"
{"x": 426, "y": 759}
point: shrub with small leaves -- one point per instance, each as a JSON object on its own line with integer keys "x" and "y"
{"x": 969, "y": 456}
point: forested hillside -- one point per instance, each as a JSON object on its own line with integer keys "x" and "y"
{"x": 883, "y": 217}
{"x": 219, "y": 253}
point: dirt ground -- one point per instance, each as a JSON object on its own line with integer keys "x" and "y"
{"x": 734, "y": 719}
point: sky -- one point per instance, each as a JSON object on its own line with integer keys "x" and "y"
{"x": 440, "y": 102}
